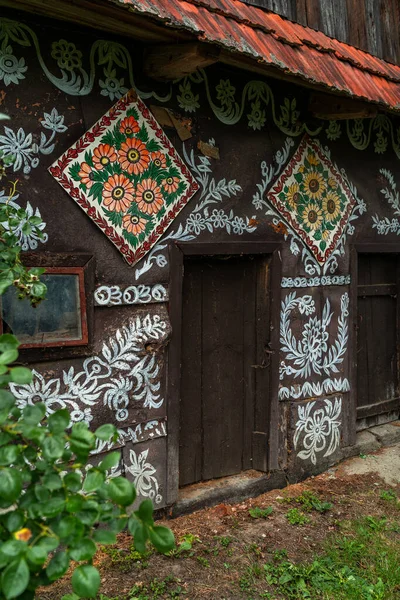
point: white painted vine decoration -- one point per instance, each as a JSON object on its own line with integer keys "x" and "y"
{"x": 392, "y": 196}
{"x": 119, "y": 376}
{"x": 313, "y": 353}
{"x": 318, "y": 429}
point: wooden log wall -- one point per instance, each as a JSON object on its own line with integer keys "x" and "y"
{"x": 299, "y": 365}
{"x": 372, "y": 25}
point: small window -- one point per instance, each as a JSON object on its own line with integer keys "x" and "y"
{"x": 60, "y": 320}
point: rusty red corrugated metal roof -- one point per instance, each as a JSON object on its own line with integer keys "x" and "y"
{"x": 275, "y": 41}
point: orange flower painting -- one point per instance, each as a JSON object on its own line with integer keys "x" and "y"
{"x": 148, "y": 197}
{"x": 127, "y": 177}
{"x": 134, "y": 224}
{"x": 159, "y": 160}
{"x": 171, "y": 184}
{"x": 103, "y": 155}
{"x": 118, "y": 193}
{"x": 134, "y": 156}
{"x": 129, "y": 126}
{"x": 86, "y": 175}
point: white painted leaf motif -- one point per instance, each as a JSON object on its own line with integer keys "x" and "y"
{"x": 93, "y": 383}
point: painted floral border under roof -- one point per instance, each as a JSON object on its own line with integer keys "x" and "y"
{"x": 314, "y": 198}
{"x": 128, "y": 178}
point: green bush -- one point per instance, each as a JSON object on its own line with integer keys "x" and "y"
{"x": 52, "y": 501}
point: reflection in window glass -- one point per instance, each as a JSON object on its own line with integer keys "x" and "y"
{"x": 56, "y": 319}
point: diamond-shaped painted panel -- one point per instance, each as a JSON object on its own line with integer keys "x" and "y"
{"x": 314, "y": 199}
{"x": 127, "y": 177}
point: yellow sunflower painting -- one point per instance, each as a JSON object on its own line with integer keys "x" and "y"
{"x": 314, "y": 185}
{"x": 314, "y": 199}
{"x": 331, "y": 206}
{"x": 312, "y": 159}
{"x": 332, "y": 183}
{"x": 312, "y": 216}
{"x": 293, "y": 196}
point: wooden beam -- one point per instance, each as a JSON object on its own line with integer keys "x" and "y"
{"x": 324, "y": 106}
{"x": 101, "y": 15}
{"x": 167, "y": 63}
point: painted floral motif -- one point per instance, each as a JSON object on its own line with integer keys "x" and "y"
{"x": 225, "y": 92}
{"x": 121, "y": 374}
{"x": 112, "y": 86}
{"x": 22, "y": 146}
{"x": 313, "y": 352}
{"x": 66, "y": 55}
{"x": 12, "y": 69}
{"x": 126, "y": 176}
{"x": 318, "y": 429}
{"x": 392, "y": 196}
{"x": 314, "y": 199}
{"x": 186, "y": 98}
{"x": 144, "y": 475}
{"x": 256, "y": 117}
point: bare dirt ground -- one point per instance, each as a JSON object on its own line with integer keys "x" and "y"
{"x": 220, "y": 550}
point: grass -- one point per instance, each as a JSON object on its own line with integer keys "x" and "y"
{"x": 260, "y": 513}
{"x": 363, "y": 564}
{"x": 297, "y": 517}
{"x": 169, "y": 587}
{"x": 126, "y": 559}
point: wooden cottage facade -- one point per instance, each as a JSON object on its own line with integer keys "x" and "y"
{"x": 220, "y": 193}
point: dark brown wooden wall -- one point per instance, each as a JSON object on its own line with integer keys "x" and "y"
{"x": 372, "y": 25}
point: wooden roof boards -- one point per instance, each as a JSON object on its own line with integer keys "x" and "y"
{"x": 272, "y": 41}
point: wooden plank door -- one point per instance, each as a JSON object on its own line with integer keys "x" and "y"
{"x": 377, "y": 336}
{"x": 224, "y": 367}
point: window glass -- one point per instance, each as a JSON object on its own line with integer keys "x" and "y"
{"x": 54, "y": 321}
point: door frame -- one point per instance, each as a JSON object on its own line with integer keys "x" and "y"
{"x": 356, "y": 249}
{"x": 177, "y": 253}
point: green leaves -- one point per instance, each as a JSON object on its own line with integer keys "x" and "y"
{"x": 94, "y": 479}
{"x": 21, "y": 375}
{"x": 86, "y": 581}
{"x": 82, "y": 441}
{"x": 72, "y": 481}
{"x": 8, "y": 455}
{"x": 15, "y": 579}
{"x": 162, "y": 538}
{"x": 53, "y": 448}
{"x": 102, "y": 536}
{"x": 111, "y": 460}
{"x": 7, "y": 401}
{"x": 34, "y": 414}
{"x": 121, "y": 491}
{"x": 58, "y": 566}
{"x": 59, "y": 421}
{"x": 8, "y": 344}
{"x": 84, "y": 550}
{"x": 10, "y": 484}
{"x": 106, "y": 432}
